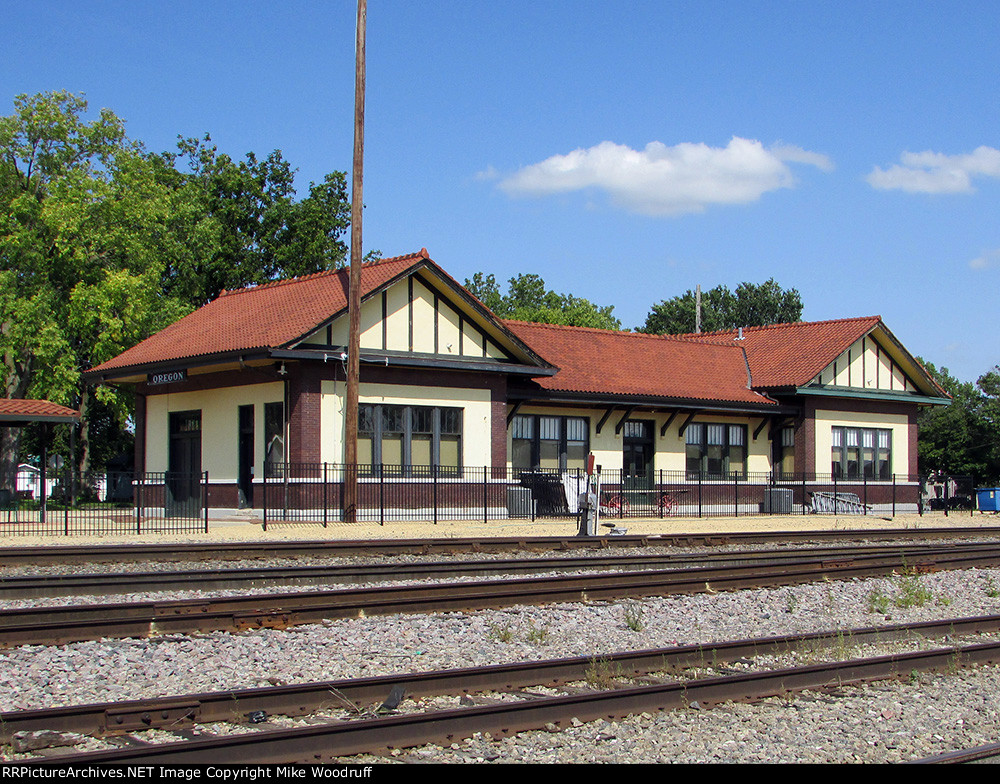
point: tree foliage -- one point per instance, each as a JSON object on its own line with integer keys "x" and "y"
{"x": 103, "y": 243}
{"x": 527, "y": 299}
{"x": 244, "y": 225}
{"x": 962, "y": 438}
{"x": 751, "y": 305}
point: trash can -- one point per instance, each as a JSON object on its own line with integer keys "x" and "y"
{"x": 988, "y": 499}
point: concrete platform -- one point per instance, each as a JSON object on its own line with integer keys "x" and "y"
{"x": 241, "y": 527}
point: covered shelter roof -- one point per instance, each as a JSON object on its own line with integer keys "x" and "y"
{"x": 16, "y": 413}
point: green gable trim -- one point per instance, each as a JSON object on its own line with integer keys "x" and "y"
{"x": 893, "y": 397}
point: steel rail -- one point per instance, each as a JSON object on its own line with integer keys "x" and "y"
{"x": 53, "y": 585}
{"x": 61, "y": 553}
{"x": 235, "y": 705}
{"x": 328, "y": 742}
{"x": 58, "y": 625}
{"x": 989, "y": 751}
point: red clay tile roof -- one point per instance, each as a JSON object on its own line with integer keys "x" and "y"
{"x": 708, "y": 366}
{"x": 271, "y": 315}
{"x": 790, "y": 355}
{"x": 34, "y": 411}
{"x": 633, "y": 364}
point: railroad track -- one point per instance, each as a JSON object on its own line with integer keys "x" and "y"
{"x": 333, "y": 740}
{"x": 104, "y": 584}
{"x": 61, "y": 624}
{"x": 56, "y": 553}
{"x": 989, "y": 753}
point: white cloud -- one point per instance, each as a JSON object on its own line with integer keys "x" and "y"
{"x": 489, "y": 173}
{"x": 988, "y": 260}
{"x": 661, "y": 180}
{"x": 934, "y": 172}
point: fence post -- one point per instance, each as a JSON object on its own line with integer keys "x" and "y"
{"x": 137, "y": 497}
{"x": 531, "y": 503}
{"x": 204, "y": 502}
{"x": 264, "y": 494}
{"x": 803, "y": 492}
{"x": 893, "y": 495}
{"x": 835, "y": 497}
{"x": 736, "y": 495}
{"x": 326, "y": 506}
{"x": 381, "y": 493}
{"x": 434, "y": 474}
{"x": 947, "y": 482}
{"x": 865, "y": 485}
{"x": 920, "y": 495}
{"x": 486, "y": 511}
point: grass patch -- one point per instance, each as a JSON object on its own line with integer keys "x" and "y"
{"x": 635, "y": 617}
{"x": 603, "y": 674}
{"x": 907, "y": 592}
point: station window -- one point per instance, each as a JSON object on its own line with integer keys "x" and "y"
{"x": 716, "y": 450}
{"x": 861, "y": 453}
{"x": 412, "y": 439}
{"x": 784, "y": 452}
{"x": 549, "y": 442}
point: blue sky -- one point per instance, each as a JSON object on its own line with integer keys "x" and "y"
{"x": 625, "y": 152}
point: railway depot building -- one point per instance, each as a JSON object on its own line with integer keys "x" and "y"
{"x": 251, "y": 387}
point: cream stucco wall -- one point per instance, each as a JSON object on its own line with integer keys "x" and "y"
{"x": 897, "y": 423}
{"x": 456, "y": 336}
{"x": 475, "y": 405}
{"x": 219, "y": 426}
{"x": 865, "y": 365}
{"x": 669, "y": 449}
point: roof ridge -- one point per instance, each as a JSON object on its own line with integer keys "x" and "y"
{"x": 422, "y": 253}
{"x": 686, "y": 338}
{"x": 782, "y": 324}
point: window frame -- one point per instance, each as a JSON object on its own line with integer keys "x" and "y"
{"x": 535, "y": 440}
{"x": 407, "y": 416}
{"x": 275, "y": 454}
{"x": 854, "y": 437}
{"x": 726, "y": 473}
{"x": 784, "y": 451}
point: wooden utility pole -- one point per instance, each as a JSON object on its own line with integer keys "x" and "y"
{"x": 354, "y": 290}
{"x": 697, "y": 309}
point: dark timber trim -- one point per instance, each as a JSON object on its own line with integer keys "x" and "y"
{"x": 385, "y": 318}
{"x": 604, "y": 419}
{"x": 437, "y": 322}
{"x": 666, "y": 425}
{"x": 691, "y": 416}
{"x": 409, "y": 306}
{"x": 621, "y": 422}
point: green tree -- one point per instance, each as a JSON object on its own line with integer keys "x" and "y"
{"x": 751, "y": 305}
{"x": 245, "y": 224}
{"x": 82, "y": 217}
{"x": 527, "y": 299}
{"x": 962, "y": 438}
{"x": 103, "y": 243}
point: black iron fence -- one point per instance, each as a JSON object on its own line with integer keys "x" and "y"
{"x": 168, "y": 502}
{"x": 72, "y": 503}
{"x": 314, "y": 492}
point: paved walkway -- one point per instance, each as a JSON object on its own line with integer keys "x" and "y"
{"x": 241, "y": 529}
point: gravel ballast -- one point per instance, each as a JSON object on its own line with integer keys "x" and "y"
{"x": 875, "y": 723}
